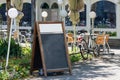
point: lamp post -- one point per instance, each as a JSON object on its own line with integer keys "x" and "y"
{"x": 62, "y": 12}
{"x": 92, "y": 15}
{"x": 44, "y": 15}
{"x": 60, "y": 2}
{"x": 12, "y": 13}
{"x": 117, "y": 1}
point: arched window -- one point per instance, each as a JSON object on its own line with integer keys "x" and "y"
{"x": 106, "y": 14}
{"x": 54, "y": 6}
{"x": 2, "y": 11}
{"x": 54, "y": 12}
{"x": 67, "y": 18}
{"x": 82, "y": 18}
{"x": 0, "y": 19}
{"x": 26, "y": 20}
{"x": 44, "y": 6}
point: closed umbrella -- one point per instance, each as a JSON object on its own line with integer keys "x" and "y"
{"x": 18, "y": 4}
{"x": 75, "y": 6}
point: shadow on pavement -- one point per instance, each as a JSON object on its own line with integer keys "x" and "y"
{"x": 99, "y": 68}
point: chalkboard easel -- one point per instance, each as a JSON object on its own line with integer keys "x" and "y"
{"x": 49, "y": 50}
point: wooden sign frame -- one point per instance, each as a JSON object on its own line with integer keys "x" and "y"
{"x": 38, "y": 55}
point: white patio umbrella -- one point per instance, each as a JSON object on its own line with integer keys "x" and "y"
{"x": 18, "y": 4}
{"x": 75, "y": 6}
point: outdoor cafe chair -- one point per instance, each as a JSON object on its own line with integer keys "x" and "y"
{"x": 70, "y": 39}
{"x": 102, "y": 41}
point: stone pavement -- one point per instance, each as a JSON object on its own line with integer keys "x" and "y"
{"x": 105, "y": 68}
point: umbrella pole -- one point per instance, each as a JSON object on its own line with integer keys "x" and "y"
{"x": 74, "y": 46}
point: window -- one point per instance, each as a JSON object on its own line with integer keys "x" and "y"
{"x": 82, "y": 18}
{"x": 2, "y": 11}
{"x": 44, "y": 6}
{"x": 54, "y": 12}
{"x": 54, "y": 6}
{"x": 106, "y": 14}
{"x": 26, "y": 20}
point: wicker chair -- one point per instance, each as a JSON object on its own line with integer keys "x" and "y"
{"x": 70, "y": 39}
{"x": 103, "y": 40}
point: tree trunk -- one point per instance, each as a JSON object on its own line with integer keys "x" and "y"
{"x": 8, "y": 18}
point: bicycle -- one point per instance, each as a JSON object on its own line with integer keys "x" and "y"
{"x": 82, "y": 44}
{"x": 93, "y": 47}
{"x": 85, "y": 49}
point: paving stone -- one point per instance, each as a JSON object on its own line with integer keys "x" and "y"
{"x": 107, "y": 67}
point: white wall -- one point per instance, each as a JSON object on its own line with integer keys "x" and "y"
{"x": 4, "y": 1}
{"x": 88, "y": 3}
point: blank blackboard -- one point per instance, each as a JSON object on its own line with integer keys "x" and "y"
{"x": 52, "y": 52}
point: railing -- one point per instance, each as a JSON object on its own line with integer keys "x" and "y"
{"x": 24, "y": 32}
{"x": 21, "y": 27}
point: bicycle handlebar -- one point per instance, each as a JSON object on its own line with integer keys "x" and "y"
{"x": 81, "y": 31}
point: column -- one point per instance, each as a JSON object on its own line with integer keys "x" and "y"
{"x": 117, "y": 20}
{"x": 88, "y": 9}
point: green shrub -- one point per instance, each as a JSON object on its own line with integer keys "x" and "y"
{"x": 4, "y": 75}
{"x": 26, "y": 51}
{"x": 75, "y": 57}
{"x": 18, "y": 69}
{"x": 113, "y": 34}
{"x": 15, "y": 48}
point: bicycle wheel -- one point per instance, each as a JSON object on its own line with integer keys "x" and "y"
{"x": 83, "y": 49}
{"x": 105, "y": 49}
{"x": 96, "y": 51}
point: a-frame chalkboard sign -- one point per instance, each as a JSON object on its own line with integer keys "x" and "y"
{"x": 49, "y": 51}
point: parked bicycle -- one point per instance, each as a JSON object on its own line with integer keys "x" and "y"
{"x": 83, "y": 44}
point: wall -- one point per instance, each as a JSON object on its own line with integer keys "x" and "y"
{"x": 88, "y": 3}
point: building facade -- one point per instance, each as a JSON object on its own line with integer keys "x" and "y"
{"x": 107, "y": 14}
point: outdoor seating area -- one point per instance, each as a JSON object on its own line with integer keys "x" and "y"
{"x": 97, "y": 42}
{"x": 59, "y": 40}
{"x": 100, "y": 39}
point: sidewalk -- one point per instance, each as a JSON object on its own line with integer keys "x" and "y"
{"x": 105, "y": 68}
